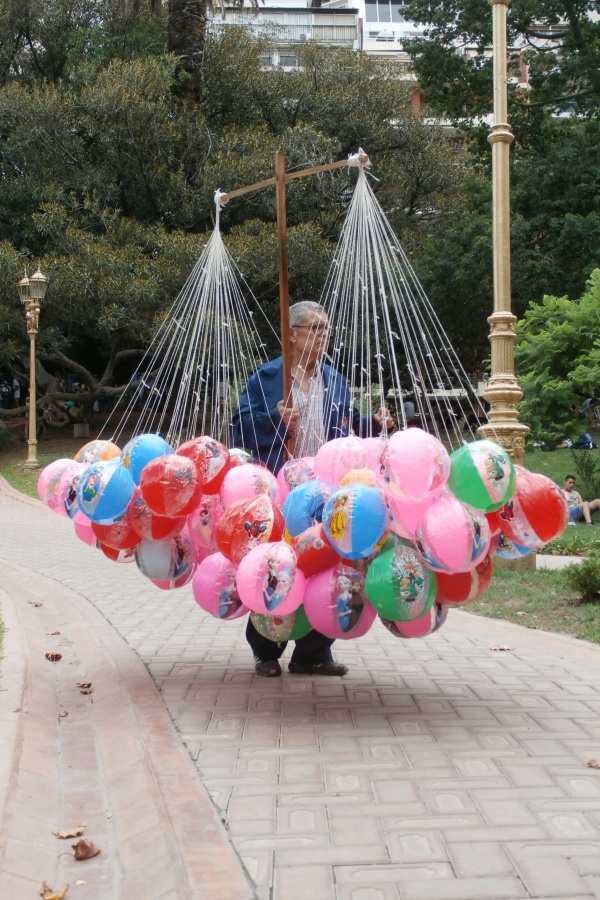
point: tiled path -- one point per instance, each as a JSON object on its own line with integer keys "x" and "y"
{"x": 439, "y": 768}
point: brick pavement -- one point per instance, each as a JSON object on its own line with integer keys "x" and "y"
{"x": 438, "y": 768}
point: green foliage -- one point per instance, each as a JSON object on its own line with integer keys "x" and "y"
{"x": 8, "y": 438}
{"x": 585, "y": 578}
{"x": 587, "y": 469}
{"x": 557, "y": 359}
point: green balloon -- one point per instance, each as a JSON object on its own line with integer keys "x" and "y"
{"x": 290, "y": 627}
{"x": 482, "y": 475}
{"x": 399, "y": 584}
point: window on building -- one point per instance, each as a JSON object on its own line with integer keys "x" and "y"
{"x": 287, "y": 59}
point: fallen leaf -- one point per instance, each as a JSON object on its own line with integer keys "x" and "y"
{"x": 86, "y": 691}
{"x": 35, "y": 603}
{"x": 53, "y": 632}
{"x": 70, "y": 832}
{"x": 520, "y": 613}
{"x": 62, "y": 714}
{"x": 54, "y": 657}
{"x": 566, "y": 618}
{"x": 109, "y": 815}
{"x": 84, "y": 684}
{"x": 48, "y": 894}
{"x": 593, "y": 764}
{"x": 85, "y": 849}
{"x": 80, "y": 882}
{"x": 500, "y": 647}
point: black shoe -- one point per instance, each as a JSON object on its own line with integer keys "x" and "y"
{"x": 324, "y": 668}
{"x": 268, "y": 668}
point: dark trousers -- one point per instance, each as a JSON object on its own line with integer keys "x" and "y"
{"x": 314, "y": 648}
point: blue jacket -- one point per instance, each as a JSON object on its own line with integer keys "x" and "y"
{"x": 257, "y": 425}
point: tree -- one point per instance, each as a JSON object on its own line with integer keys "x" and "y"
{"x": 557, "y": 359}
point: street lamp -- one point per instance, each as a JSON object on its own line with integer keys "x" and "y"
{"x": 31, "y": 292}
{"x": 502, "y": 392}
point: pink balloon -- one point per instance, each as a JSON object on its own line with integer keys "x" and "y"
{"x": 66, "y": 491}
{"x": 215, "y": 588}
{"x": 83, "y": 526}
{"x": 269, "y": 581}
{"x": 426, "y": 624}
{"x": 48, "y": 481}
{"x": 452, "y": 537}
{"x": 202, "y": 523}
{"x": 294, "y": 472}
{"x": 374, "y": 447}
{"x": 336, "y": 458}
{"x": 336, "y": 604}
{"x": 406, "y": 516}
{"x": 415, "y": 465}
{"x": 246, "y": 481}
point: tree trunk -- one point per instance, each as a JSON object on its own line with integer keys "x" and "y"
{"x": 187, "y": 29}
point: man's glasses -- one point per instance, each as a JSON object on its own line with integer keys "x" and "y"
{"x": 315, "y": 327}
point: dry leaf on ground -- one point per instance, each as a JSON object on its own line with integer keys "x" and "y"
{"x": 53, "y": 632}
{"x": 593, "y": 764}
{"x": 500, "y": 647}
{"x": 85, "y": 849}
{"x": 84, "y": 684}
{"x": 48, "y": 894}
{"x": 70, "y": 832}
{"x": 80, "y": 882}
{"x": 86, "y": 691}
{"x": 54, "y": 657}
{"x": 35, "y": 603}
{"x": 62, "y": 714}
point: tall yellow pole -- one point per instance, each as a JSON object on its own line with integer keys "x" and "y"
{"x": 503, "y": 392}
{"x": 32, "y": 313}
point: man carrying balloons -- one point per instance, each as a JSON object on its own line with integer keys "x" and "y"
{"x": 321, "y": 409}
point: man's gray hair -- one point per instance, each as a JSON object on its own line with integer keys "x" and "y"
{"x": 299, "y": 312}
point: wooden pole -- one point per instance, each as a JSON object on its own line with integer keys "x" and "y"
{"x": 284, "y": 282}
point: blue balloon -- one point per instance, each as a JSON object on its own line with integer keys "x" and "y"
{"x": 140, "y": 450}
{"x": 104, "y": 491}
{"x": 356, "y": 520}
{"x": 304, "y": 504}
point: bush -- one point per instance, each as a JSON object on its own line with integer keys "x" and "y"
{"x": 7, "y": 438}
{"x": 584, "y": 577}
{"x": 587, "y": 468}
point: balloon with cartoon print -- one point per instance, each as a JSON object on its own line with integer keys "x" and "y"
{"x": 119, "y": 556}
{"x": 356, "y": 520}
{"x": 166, "y": 560}
{"x": 430, "y": 622}
{"x": 399, "y": 584}
{"x": 66, "y": 490}
{"x": 214, "y": 586}
{"x": 336, "y": 603}
{"x": 414, "y": 465}
{"x": 279, "y": 628}
{"x": 48, "y": 481}
{"x": 95, "y": 451}
{"x": 140, "y": 450}
{"x": 120, "y": 535}
{"x": 452, "y": 537}
{"x": 337, "y": 457}
{"x": 247, "y": 523}
{"x": 295, "y": 472}
{"x": 104, "y": 491}
{"x": 269, "y": 581}
{"x": 464, "y": 587}
{"x": 203, "y": 521}
{"x": 171, "y": 485}
{"x": 212, "y": 459}
{"x": 313, "y": 550}
{"x": 148, "y": 526}
{"x": 482, "y": 475}
{"x": 304, "y": 505}
{"x": 248, "y": 481}
{"x": 537, "y": 512}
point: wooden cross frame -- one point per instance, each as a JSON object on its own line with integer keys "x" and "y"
{"x": 280, "y": 179}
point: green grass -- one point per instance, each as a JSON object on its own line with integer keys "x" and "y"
{"x": 538, "y": 599}
{"x": 25, "y": 480}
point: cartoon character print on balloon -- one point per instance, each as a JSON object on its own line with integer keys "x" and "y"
{"x": 229, "y": 599}
{"x": 349, "y": 601}
{"x": 254, "y": 531}
{"x": 91, "y": 486}
{"x": 276, "y": 584}
{"x": 337, "y": 523}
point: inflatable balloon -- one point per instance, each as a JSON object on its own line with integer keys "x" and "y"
{"x": 405, "y": 516}
{"x": 295, "y": 472}
{"x": 175, "y": 583}
{"x": 337, "y": 457}
{"x": 482, "y": 475}
{"x": 313, "y": 551}
{"x": 66, "y": 490}
{"x": 359, "y": 476}
{"x": 203, "y": 521}
{"x": 211, "y": 459}
{"x": 280, "y": 629}
{"x": 104, "y": 491}
{"x": 426, "y": 624}
{"x": 140, "y": 450}
{"x": 148, "y": 526}
{"x": 336, "y": 604}
{"x": 83, "y": 529}
{"x": 48, "y": 481}
{"x": 121, "y": 535}
{"x": 304, "y": 505}
{"x": 374, "y": 447}
{"x": 463, "y": 587}
{"x": 215, "y": 588}
{"x": 507, "y": 549}
{"x": 452, "y": 537}
{"x": 399, "y": 584}
{"x": 415, "y": 465}
{"x": 171, "y": 485}
{"x": 537, "y": 513}
{"x": 95, "y": 451}
{"x": 268, "y": 579}
{"x": 240, "y": 457}
{"x": 120, "y": 556}
{"x": 166, "y": 560}
{"x": 248, "y": 481}
{"x": 356, "y": 520}
{"x": 246, "y": 524}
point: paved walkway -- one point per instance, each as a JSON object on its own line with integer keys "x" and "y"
{"x": 453, "y": 767}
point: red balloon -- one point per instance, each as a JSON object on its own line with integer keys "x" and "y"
{"x": 211, "y": 458}
{"x": 314, "y": 551}
{"x": 124, "y": 555}
{"x": 171, "y": 485}
{"x": 537, "y": 512}
{"x": 246, "y": 524}
{"x": 463, "y": 587}
{"x": 121, "y": 535}
{"x": 148, "y": 526}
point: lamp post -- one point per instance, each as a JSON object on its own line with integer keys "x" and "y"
{"x": 32, "y": 291}
{"x": 503, "y": 392}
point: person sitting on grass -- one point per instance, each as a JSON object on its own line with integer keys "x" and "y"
{"x": 578, "y": 509}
